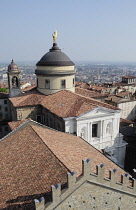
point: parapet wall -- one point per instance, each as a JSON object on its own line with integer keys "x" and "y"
{"x": 91, "y": 191}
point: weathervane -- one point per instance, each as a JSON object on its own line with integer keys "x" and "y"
{"x": 54, "y": 35}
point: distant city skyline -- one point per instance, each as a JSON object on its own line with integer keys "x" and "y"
{"x": 88, "y": 31}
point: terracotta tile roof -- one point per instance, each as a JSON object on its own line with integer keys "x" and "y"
{"x": 77, "y": 83}
{"x": 123, "y": 94}
{"x": 77, "y": 149}
{"x": 3, "y": 85}
{"x": 97, "y": 88}
{"x": 67, "y": 104}
{"x": 126, "y": 121}
{"x": 113, "y": 98}
{"x": 29, "y": 88}
{"x": 82, "y": 85}
{"x": 15, "y": 124}
{"x": 129, "y": 77}
{"x": 63, "y": 103}
{"x": 88, "y": 93}
{"x": 34, "y": 158}
{"x": 28, "y": 167}
{"x": 26, "y": 99}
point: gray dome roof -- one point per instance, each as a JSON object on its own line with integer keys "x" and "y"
{"x": 55, "y": 58}
{"x": 13, "y": 67}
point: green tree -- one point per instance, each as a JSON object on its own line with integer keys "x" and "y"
{"x": 3, "y": 90}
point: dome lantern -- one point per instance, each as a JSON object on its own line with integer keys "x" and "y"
{"x": 13, "y": 67}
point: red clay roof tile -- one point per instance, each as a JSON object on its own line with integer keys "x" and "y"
{"x": 34, "y": 158}
{"x": 63, "y": 103}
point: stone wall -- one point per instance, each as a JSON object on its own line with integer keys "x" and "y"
{"x": 52, "y": 120}
{"x": 33, "y": 112}
{"x": 93, "y": 196}
{"x": 93, "y": 191}
{"x": 28, "y": 112}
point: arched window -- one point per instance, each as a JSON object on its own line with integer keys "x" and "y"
{"x": 14, "y": 81}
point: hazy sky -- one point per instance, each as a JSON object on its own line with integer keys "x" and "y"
{"x": 88, "y": 30}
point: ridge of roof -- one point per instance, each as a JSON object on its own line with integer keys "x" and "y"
{"x": 13, "y": 131}
{"x": 63, "y": 103}
{"x": 25, "y": 99}
{"x": 62, "y": 152}
{"x": 99, "y": 102}
{"x": 25, "y": 170}
{"x": 32, "y": 126}
{"x": 21, "y": 126}
{"x": 76, "y": 140}
{"x": 32, "y": 122}
{"x": 91, "y": 93}
{"x": 15, "y": 124}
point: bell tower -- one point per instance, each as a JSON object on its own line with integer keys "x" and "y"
{"x": 13, "y": 79}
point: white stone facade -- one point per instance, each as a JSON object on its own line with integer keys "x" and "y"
{"x": 128, "y": 109}
{"x": 100, "y": 128}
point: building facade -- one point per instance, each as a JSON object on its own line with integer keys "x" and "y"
{"x": 56, "y": 105}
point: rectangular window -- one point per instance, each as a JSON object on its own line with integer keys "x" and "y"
{"x": 50, "y": 122}
{"x": 58, "y": 127}
{"x": 73, "y": 82}
{"x": 0, "y": 114}
{"x": 45, "y": 120}
{"x": 39, "y": 118}
{"x": 47, "y": 84}
{"x": 6, "y": 128}
{"x": 6, "y": 116}
{"x": 94, "y": 130}
{"x": 5, "y": 102}
{"x": 6, "y": 109}
{"x": 63, "y": 84}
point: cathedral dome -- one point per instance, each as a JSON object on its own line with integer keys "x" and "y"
{"x": 13, "y": 67}
{"x": 55, "y": 71}
{"x": 55, "y": 58}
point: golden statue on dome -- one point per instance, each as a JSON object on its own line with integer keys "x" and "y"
{"x": 54, "y": 35}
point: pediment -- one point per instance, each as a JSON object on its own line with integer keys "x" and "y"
{"x": 97, "y": 112}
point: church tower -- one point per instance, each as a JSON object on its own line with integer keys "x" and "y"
{"x": 13, "y": 79}
{"x": 55, "y": 71}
